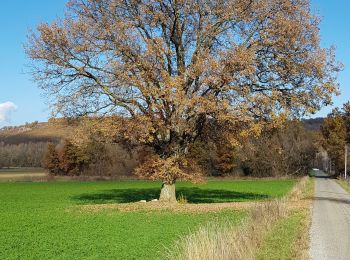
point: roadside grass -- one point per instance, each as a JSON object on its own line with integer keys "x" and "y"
{"x": 303, "y": 190}
{"x": 282, "y": 241}
{"x": 35, "y": 222}
{"x": 224, "y": 241}
{"x": 344, "y": 184}
{"x": 309, "y": 190}
{"x": 289, "y": 238}
{"x": 273, "y": 230}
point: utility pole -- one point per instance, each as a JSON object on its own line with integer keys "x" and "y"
{"x": 346, "y": 161}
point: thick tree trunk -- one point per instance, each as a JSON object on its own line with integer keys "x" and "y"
{"x": 167, "y": 193}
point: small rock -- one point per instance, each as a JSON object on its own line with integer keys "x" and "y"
{"x": 155, "y": 200}
{"x": 143, "y": 201}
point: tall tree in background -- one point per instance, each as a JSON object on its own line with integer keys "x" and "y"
{"x": 168, "y": 67}
{"x": 51, "y": 160}
{"x": 336, "y": 134}
{"x": 70, "y": 161}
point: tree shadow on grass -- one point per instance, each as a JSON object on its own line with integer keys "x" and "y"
{"x": 193, "y": 195}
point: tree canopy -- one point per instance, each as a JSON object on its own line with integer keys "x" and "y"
{"x": 170, "y": 67}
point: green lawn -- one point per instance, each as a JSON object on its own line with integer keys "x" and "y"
{"x": 36, "y": 223}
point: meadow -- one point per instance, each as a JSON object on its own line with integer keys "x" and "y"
{"x": 43, "y": 220}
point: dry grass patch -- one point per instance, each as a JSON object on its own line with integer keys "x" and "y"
{"x": 183, "y": 207}
{"x": 300, "y": 197}
{"x": 174, "y": 207}
{"x": 298, "y": 191}
{"x": 287, "y": 219}
{"x": 303, "y": 190}
{"x": 224, "y": 241}
{"x": 302, "y": 244}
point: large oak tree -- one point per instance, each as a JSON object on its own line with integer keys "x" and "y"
{"x": 171, "y": 66}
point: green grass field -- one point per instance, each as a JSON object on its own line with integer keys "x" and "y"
{"x": 36, "y": 220}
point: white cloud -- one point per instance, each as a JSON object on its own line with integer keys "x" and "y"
{"x": 6, "y": 110}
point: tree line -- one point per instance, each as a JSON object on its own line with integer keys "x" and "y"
{"x": 290, "y": 150}
{"x": 22, "y": 155}
{"x": 287, "y": 150}
{"x": 89, "y": 159}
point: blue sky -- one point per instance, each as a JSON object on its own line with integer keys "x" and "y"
{"x": 16, "y": 18}
{"x": 20, "y": 94}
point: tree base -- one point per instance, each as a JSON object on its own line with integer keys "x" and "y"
{"x": 168, "y": 193}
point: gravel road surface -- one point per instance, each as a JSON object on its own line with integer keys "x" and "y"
{"x": 330, "y": 229}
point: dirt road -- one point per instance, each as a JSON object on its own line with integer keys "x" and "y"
{"x": 330, "y": 229}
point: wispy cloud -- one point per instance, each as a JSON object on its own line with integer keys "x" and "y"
{"x": 6, "y": 110}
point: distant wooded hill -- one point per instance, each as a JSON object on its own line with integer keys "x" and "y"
{"x": 26, "y": 146}
{"x": 313, "y": 123}
{"x": 52, "y": 131}
{"x": 57, "y": 129}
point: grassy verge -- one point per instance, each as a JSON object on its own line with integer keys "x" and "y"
{"x": 224, "y": 241}
{"x": 309, "y": 190}
{"x": 345, "y": 185}
{"x": 282, "y": 242}
{"x": 274, "y": 230}
{"x": 289, "y": 238}
{"x": 303, "y": 190}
